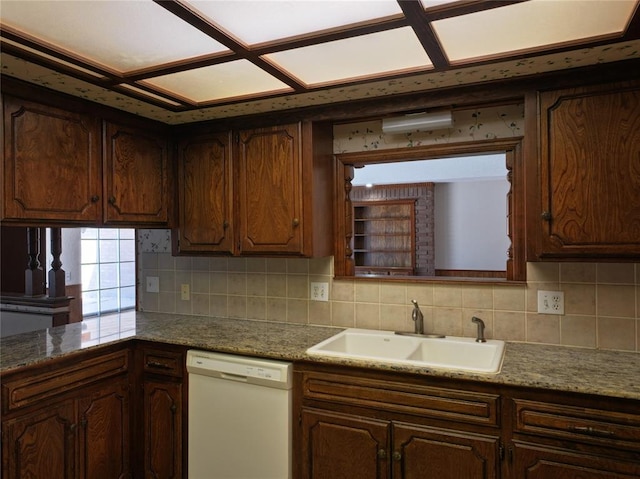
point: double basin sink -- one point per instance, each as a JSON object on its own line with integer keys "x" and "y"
{"x": 452, "y": 353}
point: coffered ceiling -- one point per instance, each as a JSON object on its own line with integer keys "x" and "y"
{"x": 189, "y": 60}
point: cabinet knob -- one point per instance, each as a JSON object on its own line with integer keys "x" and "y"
{"x": 225, "y": 224}
{"x": 112, "y": 200}
{"x": 296, "y": 222}
{"x": 546, "y": 215}
{"x": 397, "y": 456}
{"x": 95, "y": 199}
{"x": 382, "y": 454}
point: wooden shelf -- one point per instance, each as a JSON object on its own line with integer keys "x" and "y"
{"x": 384, "y": 237}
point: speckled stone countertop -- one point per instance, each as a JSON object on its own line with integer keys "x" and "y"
{"x": 607, "y": 373}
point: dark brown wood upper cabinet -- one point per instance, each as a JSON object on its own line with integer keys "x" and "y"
{"x": 589, "y": 173}
{"x": 51, "y": 163}
{"x": 268, "y": 194}
{"x": 58, "y": 169}
{"x": 205, "y": 194}
{"x": 270, "y": 190}
{"x": 135, "y": 176}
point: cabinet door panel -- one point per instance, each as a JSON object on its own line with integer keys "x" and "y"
{"x": 539, "y": 462}
{"x": 344, "y": 447}
{"x": 206, "y": 194}
{"x": 105, "y": 433}
{"x": 40, "y": 445}
{"x": 270, "y": 202}
{"x": 162, "y": 429}
{"x": 441, "y": 454}
{"x": 590, "y": 171}
{"x": 51, "y": 164}
{"x": 135, "y": 172}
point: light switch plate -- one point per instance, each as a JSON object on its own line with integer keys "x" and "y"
{"x": 185, "y": 294}
{"x": 551, "y": 302}
{"x": 153, "y": 284}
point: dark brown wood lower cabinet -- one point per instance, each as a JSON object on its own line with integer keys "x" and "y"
{"x": 162, "y": 429}
{"x": 105, "y": 432}
{"x": 41, "y": 444}
{"x": 535, "y": 461}
{"x": 162, "y": 411}
{"x": 339, "y": 445}
{"x": 69, "y": 418}
{"x": 85, "y": 437}
{"x": 435, "y": 453}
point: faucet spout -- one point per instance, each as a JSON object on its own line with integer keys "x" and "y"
{"x": 480, "y": 338}
{"x": 417, "y": 317}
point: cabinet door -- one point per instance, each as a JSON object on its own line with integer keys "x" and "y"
{"x": 51, "y": 164}
{"x": 269, "y": 173}
{"x": 105, "y": 443}
{"x": 424, "y": 452}
{"x": 337, "y": 446}
{"x": 590, "y": 172}
{"x": 162, "y": 429}
{"x": 543, "y": 462}
{"x": 205, "y": 192}
{"x": 135, "y": 176}
{"x": 40, "y": 444}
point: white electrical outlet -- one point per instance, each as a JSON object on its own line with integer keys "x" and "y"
{"x": 551, "y": 302}
{"x": 153, "y": 284}
{"x": 184, "y": 292}
{"x": 319, "y": 292}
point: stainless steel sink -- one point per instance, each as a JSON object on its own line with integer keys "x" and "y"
{"x": 453, "y": 353}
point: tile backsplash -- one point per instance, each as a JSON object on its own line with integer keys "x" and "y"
{"x": 602, "y": 300}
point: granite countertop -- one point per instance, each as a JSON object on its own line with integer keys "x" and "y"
{"x": 608, "y": 373}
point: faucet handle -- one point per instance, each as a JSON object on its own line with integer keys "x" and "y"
{"x": 480, "y": 338}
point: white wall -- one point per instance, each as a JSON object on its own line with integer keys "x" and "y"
{"x": 467, "y": 217}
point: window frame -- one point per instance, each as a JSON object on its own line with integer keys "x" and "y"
{"x": 345, "y": 164}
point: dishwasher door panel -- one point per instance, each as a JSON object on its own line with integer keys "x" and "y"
{"x": 238, "y": 430}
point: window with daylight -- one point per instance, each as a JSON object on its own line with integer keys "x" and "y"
{"x": 108, "y": 270}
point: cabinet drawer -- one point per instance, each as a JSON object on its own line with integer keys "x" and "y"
{"x": 167, "y": 363}
{"x": 24, "y": 391}
{"x": 578, "y": 424}
{"x": 414, "y": 399}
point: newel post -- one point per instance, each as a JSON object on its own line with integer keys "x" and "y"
{"x": 57, "y": 287}
{"x": 34, "y": 274}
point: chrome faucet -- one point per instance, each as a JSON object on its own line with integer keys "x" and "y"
{"x": 417, "y": 317}
{"x": 480, "y": 323}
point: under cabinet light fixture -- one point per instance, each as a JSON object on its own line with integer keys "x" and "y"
{"x": 417, "y": 122}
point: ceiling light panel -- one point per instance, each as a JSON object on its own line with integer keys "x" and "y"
{"x": 120, "y": 35}
{"x": 254, "y": 22}
{"x": 219, "y": 82}
{"x": 530, "y": 25}
{"x": 370, "y": 55}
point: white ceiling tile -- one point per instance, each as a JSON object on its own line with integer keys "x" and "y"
{"x": 358, "y": 57}
{"x": 119, "y": 35}
{"x": 255, "y": 22}
{"x": 530, "y": 25}
{"x": 227, "y": 80}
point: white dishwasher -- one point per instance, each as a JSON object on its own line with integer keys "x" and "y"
{"x": 239, "y": 417}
